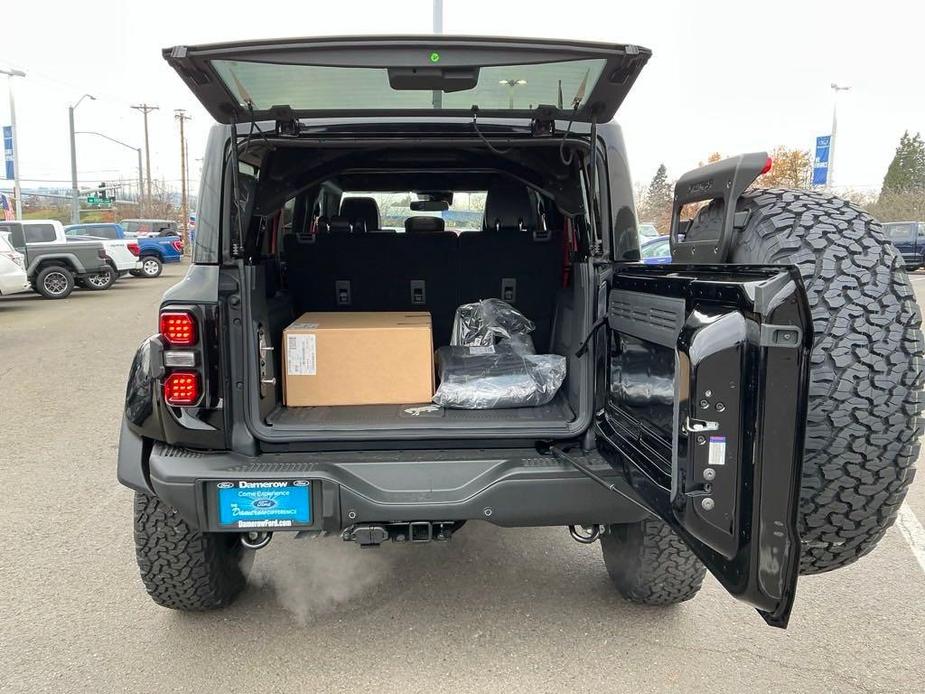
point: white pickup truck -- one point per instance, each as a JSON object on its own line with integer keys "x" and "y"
{"x": 121, "y": 257}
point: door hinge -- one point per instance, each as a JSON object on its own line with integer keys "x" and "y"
{"x": 287, "y": 125}
{"x": 543, "y": 123}
{"x": 780, "y": 336}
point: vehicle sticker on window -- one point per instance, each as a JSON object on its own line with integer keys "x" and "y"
{"x": 717, "y": 450}
{"x": 300, "y": 355}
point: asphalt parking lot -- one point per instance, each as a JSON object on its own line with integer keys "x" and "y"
{"x": 494, "y": 610}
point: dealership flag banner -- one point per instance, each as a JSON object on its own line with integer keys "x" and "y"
{"x": 8, "y": 151}
{"x": 821, "y": 162}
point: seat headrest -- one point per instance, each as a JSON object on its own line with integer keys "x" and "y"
{"x": 508, "y": 207}
{"x": 339, "y": 225}
{"x": 362, "y": 213}
{"x": 413, "y": 224}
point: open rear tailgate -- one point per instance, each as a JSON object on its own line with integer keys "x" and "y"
{"x": 408, "y": 76}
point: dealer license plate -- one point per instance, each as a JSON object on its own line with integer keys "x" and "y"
{"x": 268, "y": 504}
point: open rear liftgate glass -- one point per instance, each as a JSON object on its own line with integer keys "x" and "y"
{"x": 705, "y": 414}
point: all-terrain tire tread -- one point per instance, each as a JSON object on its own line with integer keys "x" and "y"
{"x": 650, "y": 565}
{"x": 866, "y": 375}
{"x": 182, "y": 568}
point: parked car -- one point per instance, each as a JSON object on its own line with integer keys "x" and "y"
{"x": 656, "y": 251}
{"x": 696, "y": 428}
{"x": 647, "y": 232}
{"x": 13, "y": 277}
{"x": 151, "y": 251}
{"x": 143, "y": 228}
{"x": 909, "y": 239}
{"x": 53, "y": 264}
{"x": 122, "y": 254}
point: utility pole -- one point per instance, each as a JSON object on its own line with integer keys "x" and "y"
{"x": 75, "y": 191}
{"x": 10, "y": 74}
{"x": 146, "y": 109}
{"x": 184, "y": 209}
{"x": 438, "y": 16}
{"x": 830, "y": 172}
{"x": 437, "y": 95}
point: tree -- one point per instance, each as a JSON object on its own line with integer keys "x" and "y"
{"x": 906, "y": 172}
{"x": 791, "y": 169}
{"x": 656, "y": 203}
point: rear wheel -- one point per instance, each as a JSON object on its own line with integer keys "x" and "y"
{"x": 54, "y": 282}
{"x": 866, "y": 370}
{"x": 100, "y": 281}
{"x": 150, "y": 266}
{"x": 649, "y": 564}
{"x": 182, "y": 568}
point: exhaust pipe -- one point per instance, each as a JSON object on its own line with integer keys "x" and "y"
{"x": 256, "y": 540}
{"x": 585, "y": 534}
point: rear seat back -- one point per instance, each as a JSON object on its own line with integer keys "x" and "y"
{"x": 427, "y": 269}
{"x": 514, "y": 259}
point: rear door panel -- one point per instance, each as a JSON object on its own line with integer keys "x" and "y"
{"x": 705, "y": 414}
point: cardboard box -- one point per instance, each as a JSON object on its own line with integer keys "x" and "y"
{"x": 358, "y": 358}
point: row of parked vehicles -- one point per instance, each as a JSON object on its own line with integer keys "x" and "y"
{"x": 52, "y": 259}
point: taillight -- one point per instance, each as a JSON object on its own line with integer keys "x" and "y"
{"x": 182, "y": 388}
{"x": 177, "y": 245}
{"x": 134, "y": 249}
{"x": 767, "y": 165}
{"x": 178, "y": 328}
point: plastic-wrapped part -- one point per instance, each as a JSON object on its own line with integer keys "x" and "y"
{"x": 496, "y": 376}
{"x": 487, "y": 321}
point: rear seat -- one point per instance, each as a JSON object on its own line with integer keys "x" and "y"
{"x": 428, "y": 269}
{"x": 514, "y": 259}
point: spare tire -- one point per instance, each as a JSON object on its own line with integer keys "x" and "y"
{"x": 863, "y": 426}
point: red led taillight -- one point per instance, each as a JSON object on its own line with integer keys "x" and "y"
{"x": 181, "y": 388}
{"x": 177, "y": 245}
{"x": 767, "y": 165}
{"x": 134, "y": 249}
{"x": 178, "y": 328}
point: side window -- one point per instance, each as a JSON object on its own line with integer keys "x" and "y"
{"x": 73, "y": 232}
{"x": 39, "y": 233}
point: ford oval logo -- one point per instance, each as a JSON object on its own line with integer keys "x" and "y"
{"x": 225, "y": 485}
{"x": 264, "y": 503}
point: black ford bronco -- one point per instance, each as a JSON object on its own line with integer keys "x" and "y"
{"x": 751, "y": 408}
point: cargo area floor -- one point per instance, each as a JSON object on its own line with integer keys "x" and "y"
{"x": 557, "y": 413}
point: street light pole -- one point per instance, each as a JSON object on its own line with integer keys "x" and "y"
{"x": 119, "y": 142}
{"x": 830, "y": 172}
{"x": 75, "y": 191}
{"x": 17, "y": 192}
{"x": 512, "y": 84}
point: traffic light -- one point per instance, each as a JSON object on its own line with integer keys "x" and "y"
{"x": 102, "y": 194}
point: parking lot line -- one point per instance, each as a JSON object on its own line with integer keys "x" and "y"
{"x": 913, "y": 533}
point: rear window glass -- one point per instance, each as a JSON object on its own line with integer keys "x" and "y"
{"x": 100, "y": 232}
{"x": 318, "y": 87}
{"x": 39, "y": 233}
{"x": 147, "y": 226}
{"x": 900, "y": 232}
{"x": 465, "y": 213}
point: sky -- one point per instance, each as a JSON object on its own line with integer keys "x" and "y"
{"x": 742, "y": 77}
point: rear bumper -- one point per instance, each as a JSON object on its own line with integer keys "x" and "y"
{"x": 507, "y": 487}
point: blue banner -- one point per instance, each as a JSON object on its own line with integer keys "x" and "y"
{"x": 8, "y": 151}
{"x": 821, "y": 162}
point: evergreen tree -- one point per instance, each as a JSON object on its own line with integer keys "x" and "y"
{"x": 907, "y": 170}
{"x": 655, "y": 205}
{"x": 659, "y": 193}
